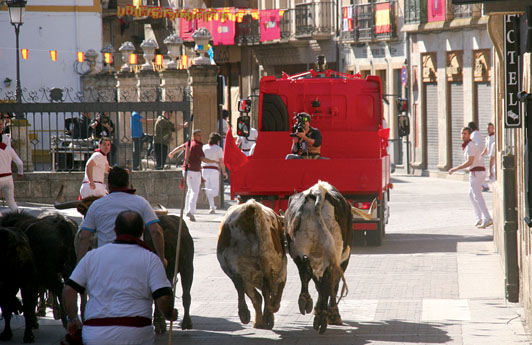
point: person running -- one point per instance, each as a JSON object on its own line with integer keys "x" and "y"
{"x": 97, "y": 166}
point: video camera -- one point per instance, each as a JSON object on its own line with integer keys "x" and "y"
{"x": 299, "y": 125}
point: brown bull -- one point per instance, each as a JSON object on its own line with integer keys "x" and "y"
{"x": 251, "y": 252}
{"x": 319, "y": 231}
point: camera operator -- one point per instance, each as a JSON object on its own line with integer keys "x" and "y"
{"x": 306, "y": 142}
{"x": 102, "y": 126}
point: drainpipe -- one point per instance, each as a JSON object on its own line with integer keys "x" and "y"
{"x": 510, "y": 228}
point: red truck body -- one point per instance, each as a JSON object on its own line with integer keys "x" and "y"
{"x": 348, "y": 112}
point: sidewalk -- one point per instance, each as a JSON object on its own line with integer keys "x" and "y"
{"x": 435, "y": 280}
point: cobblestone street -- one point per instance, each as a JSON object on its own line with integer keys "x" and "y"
{"x": 435, "y": 280}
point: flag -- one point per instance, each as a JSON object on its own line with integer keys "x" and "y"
{"x": 269, "y": 25}
{"x": 81, "y": 56}
{"x": 347, "y": 20}
{"x": 184, "y": 62}
{"x": 234, "y": 159}
{"x": 132, "y": 59}
{"x": 223, "y": 32}
{"x": 159, "y": 59}
{"x": 108, "y": 58}
{"x": 53, "y": 55}
{"x": 24, "y": 53}
{"x": 382, "y": 18}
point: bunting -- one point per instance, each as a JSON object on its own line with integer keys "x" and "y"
{"x": 81, "y": 56}
{"x": 25, "y": 53}
{"x": 132, "y": 59}
{"x": 108, "y": 58}
{"x": 159, "y": 59}
{"x": 382, "y": 18}
{"x": 270, "y": 21}
{"x": 53, "y": 55}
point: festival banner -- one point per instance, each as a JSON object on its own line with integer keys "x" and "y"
{"x": 186, "y": 29}
{"x": 80, "y": 56}
{"x": 159, "y": 59}
{"x": 133, "y": 59}
{"x": 347, "y": 18}
{"x": 382, "y": 18}
{"x": 25, "y": 53}
{"x": 270, "y": 25}
{"x": 436, "y": 10}
{"x": 53, "y": 55}
{"x": 108, "y": 58}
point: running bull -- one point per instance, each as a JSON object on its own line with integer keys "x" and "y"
{"x": 170, "y": 226}
{"x": 319, "y": 231}
{"x": 251, "y": 252}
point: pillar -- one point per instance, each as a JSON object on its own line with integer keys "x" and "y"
{"x": 173, "y": 85}
{"x": 204, "y": 92}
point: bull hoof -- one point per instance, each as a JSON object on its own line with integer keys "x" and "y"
{"x": 320, "y": 322}
{"x": 28, "y": 337}
{"x": 268, "y": 320}
{"x": 333, "y": 317}
{"x": 6, "y": 335}
{"x": 244, "y": 315}
{"x": 186, "y": 323}
{"x": 305, "y": 303}
{"x": 57, "y": 314}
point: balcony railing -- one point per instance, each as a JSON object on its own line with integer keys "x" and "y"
{"x": 415, "y": 12}
{"x": 315, "y": 19}
{"x": 467, "y": 11}
{"x": 371, "y": 22}
{"x": 348, "y": 23}
{"x": 248, "y": 31}
{"x": 286, "y": 23}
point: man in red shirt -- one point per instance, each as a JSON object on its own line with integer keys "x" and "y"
{"x": 193, "y": 170}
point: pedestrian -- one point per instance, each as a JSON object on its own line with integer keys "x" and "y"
{"x": 224, "y": 125}
{"x": 7, "y": 187}
{"x": 162, "y": 137}
{"x": 489, "y": 149}
{"x": 477, "y": 172}
{"x": 97, "y": 166}
{"x": 192, "y": 170}
{"x": 137, "y": 132}
{"x": 210, "y": 171}
{"x": 5, "y": 137}
{"x": 475, "y": 135}
{"x": 121, "y": 279}
{"x": 246, "y": 143}
{"x": 101, "y": 216}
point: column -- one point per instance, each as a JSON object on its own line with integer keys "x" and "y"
{"x": 204, "y": 89}
{"x": 173, "y": 84}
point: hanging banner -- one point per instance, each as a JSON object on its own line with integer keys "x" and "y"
{"x": 270, "y": 29}
{"x": 25, "y": 53}
{"x": 53, "y": 55}
{"x": 80, "y": 56}
{"x": 512, "y": 75}
{"x": 347, "y": 18}
{"x": 382, "y": 18}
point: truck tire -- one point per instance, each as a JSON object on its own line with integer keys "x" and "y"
{"x": 358, "y": 239}
{"x": 274, "y": 114}
{"x": 374, "y": 237}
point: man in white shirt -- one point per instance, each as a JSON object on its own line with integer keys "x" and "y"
{"x": 245, "y": 144}
{"x": 97, "y": 166}
{"x": 490, "y": 151}
{"x": 122, "y": 279}
{"x": 477, "y": 172}
{"x": 211, "y": 171}
{"x": 101, "y": 216}
{"x": 8, "y": 155}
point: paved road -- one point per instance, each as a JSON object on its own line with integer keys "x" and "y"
{"x": 435, "y": 280}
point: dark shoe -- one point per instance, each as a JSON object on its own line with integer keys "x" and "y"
{"x": 158, "y": 168}
{"x": 191, "y": 217}
{"x": 485, "y": 189}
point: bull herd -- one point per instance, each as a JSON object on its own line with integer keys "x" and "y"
{"x": 38, "y": 252}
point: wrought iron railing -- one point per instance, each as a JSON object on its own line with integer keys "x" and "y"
{"x": 462, "y": 11}
{"x": 415, "y": 12}
{"x": 286, "y": 24}
{"x": 315, "y": 18}
{"x": 374, "y": 21}
{"x": 365, "y": 17}
{"x": 348, "y": 23}
{"x": 248, "y": 31}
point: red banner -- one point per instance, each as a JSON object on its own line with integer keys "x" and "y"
{"x": 223, "y": 33}
{"x": 234, "y": 159}
{"x": 270, "y": 25}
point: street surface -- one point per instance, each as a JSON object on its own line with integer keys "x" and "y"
{"x": 435, "y": 280}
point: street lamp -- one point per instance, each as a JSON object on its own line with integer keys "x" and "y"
{"x": 17, "y": 8}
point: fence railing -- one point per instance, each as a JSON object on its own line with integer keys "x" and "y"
{"x": 315, "y": 18}
{"x": 248, "y": 31}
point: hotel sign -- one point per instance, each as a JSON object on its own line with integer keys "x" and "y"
{"x": 512, "y": 77}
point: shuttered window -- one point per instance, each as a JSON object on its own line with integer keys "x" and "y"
{"x": 431, "y": 113}
{"x": 456, "y": 102}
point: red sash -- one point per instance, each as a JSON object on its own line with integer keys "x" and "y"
{"x": 210, "y": 167}
{"x": 6, "y": 174}
{"x": 2, "y": 145}
{"x": 464, "y": 144}
{"x": 127, "y": 321}
{"x": 478, "y": 169}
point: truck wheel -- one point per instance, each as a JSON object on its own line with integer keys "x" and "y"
{"x": 358, "y": 238}
{"x": 374, "y": 237}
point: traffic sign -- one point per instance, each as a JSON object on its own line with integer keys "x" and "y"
{"x": 403, "y": 76}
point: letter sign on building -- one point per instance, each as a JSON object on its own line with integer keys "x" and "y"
{"x": 512, "y": 77}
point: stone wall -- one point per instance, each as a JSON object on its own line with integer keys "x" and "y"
{"x": 161, "y": 186}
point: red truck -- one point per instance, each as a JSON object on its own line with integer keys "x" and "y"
{"x": 348, "y": 111}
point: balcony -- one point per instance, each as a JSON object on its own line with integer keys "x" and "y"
{"x": 248, "y": 31}
{"x": 314, "y": 20}
{"x": 466, "y": 11}
{"x": 348, "y": 21}
{"x": 287, "y": 20}
{"x": 415, "y": 12}
{"x": 373, "y": 22}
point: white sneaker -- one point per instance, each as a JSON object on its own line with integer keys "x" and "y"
{"x": 212, "y": 211}
{"x": 486, "y": 223}
{"x": 479, "y": 222}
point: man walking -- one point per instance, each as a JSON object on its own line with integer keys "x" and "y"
{"x": 137, "y": 133}
{"x": 477, "y": 172}
{"x": 193, "y": 170}
{"x": 211, "y": 172}
{"x": 122, "y": 279}
{"x": 101, "y": 216}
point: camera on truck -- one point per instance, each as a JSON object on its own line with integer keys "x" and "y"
{"x": 299, "y": 125}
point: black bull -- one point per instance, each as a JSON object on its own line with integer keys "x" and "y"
{"x": 319, "y": 231}
{"x": 170, "y": 227}
{"x": 35, "y": 254}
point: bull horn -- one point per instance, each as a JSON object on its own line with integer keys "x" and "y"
{"x": 60, "y": 205}
{"x": 160, "y": 210}
{"x": 366, "y": 215}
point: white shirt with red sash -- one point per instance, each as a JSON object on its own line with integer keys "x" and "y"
{"x": 121, "y": 280}
{"x": 8, "y": 155}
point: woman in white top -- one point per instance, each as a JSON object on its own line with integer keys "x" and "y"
{"x": 95, "y": 170}
{"x": 211, "y": 171}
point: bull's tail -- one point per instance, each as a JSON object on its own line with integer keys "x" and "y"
{"x": 330, "y": 253}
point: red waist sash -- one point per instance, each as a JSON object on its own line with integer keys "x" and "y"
{"x": 94, "y": 182}
{"x": 478, "y": 169}
{"x": 126, "y": 321}
{"x": 210, "y": 167}
{"x": 6, "y": 174}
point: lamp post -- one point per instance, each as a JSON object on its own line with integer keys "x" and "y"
{"x": 17, "y": 9}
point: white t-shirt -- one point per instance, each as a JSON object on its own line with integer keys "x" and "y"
{"x": 98, "y": 171}
{"x": 477, "y": 138}
{"x": 102, "y": 214}
{"x": 490, "y": 145}
{"x": 246, "y": 143}
{"x": 212, "y": 152}
{"x": 120, "y": 280}
{"x": 473, "y": 150}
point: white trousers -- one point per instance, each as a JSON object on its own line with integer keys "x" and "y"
{"x": 8, "y": 189}
{"x": 86, "y": 191}
{"x": 193, "y": 188}
{"x": 476, "y": 178}
{"x": 212, "y": 185}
